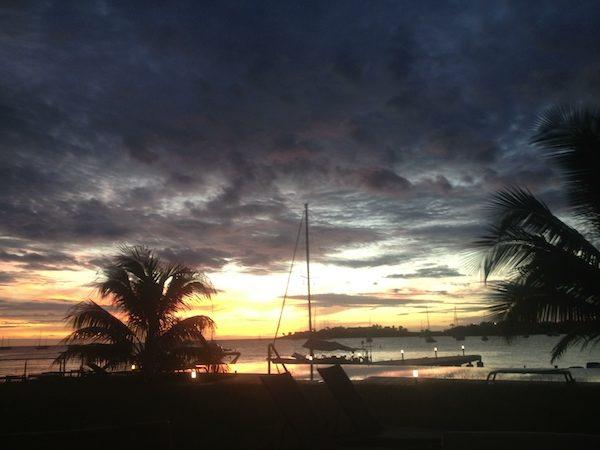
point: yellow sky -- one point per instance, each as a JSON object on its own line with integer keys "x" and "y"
{"x": 248, "y": 305}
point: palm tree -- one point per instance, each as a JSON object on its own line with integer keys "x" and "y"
{"x": 552, "y": 270}
{"x": 146, "y": 294}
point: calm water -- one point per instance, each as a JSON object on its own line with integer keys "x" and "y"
{"x": 496, "y": 353}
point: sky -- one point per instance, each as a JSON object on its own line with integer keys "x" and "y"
{"x": 200, "y": 129}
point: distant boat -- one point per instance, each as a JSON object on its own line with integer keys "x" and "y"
{"x": 526, "y": 336}
{"x": 4, "y": 347}
{"x": 553, "y": 333}
{"x": 40, "y": 346}
{"x": 458, "y": 335}
{"x": 485, "y": 338}
{"x": 430, "y": 339}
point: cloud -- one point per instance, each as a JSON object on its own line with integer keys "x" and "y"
{"x": 187, "y": 130}
{"x": 7, "y": 277}
{"x": 360, "y": 300}
{"x": 383, "y": 260}
{"x": 429, "y": 272}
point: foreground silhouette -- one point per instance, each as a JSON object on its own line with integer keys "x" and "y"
{"x": 553, "y": 269}
{"x": 148, "y": 293}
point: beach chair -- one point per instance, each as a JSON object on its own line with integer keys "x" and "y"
{"x": 367, "y": 429}
{"x": 297, "y": 413}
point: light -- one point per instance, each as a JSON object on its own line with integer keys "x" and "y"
{"x": 402, "y": 353}
{"x": 309, "y": 357}
{"x": 462, "y": 347}
{"x": 193, "y": 374}
{"x": 133, "y": 367}
{"x": 415, "y": 373}
{"x": 435, "y": 351}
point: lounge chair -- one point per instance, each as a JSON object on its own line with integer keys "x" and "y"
{"x": 367, "y": 429}
{"x": 297, "y": 413}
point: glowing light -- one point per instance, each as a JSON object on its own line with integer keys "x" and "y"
{"x": 309, "y": 357}
{"x": 415, "y": 373}
{"x": 402, "y": 353}
{"x": 133, "y": 367}
{"x": 193, "y": 374}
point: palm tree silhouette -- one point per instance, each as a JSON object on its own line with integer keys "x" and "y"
{"x": 553, "y": 269}
{"x": 147, "y": 293}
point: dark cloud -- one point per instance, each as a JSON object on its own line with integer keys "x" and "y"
{"x": 359, "y": 300}
{"x": 201, "y": 130}
{"x": 39, "y": 260}
{"x": 51, "y": 311}
{"x": 383, "y": 260}
{"x": 429, "y": 272}
{"x": 7, "y": 277}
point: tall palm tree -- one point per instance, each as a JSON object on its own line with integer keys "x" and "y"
{"x": 553, "y": 270}
{"x": 146, "y": 294}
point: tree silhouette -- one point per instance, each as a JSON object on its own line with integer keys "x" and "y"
{"x": 553, "y": 270}
{"x": 146, "y": 293}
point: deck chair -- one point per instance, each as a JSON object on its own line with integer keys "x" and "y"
{"x": 367, "y": 429}
{"x": 297, "y": 413}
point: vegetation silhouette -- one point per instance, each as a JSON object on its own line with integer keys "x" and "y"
{"x": 147, "y": 293}
{"x": 553, "y": 269}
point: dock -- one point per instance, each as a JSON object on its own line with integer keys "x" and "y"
{"x": 439, "y": 361}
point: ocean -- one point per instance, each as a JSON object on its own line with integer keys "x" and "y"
{"x": 532, "y": 352}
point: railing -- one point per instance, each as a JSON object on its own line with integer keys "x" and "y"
{"x": 270, "y": 350}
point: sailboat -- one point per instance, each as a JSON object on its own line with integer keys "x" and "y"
{"x": 364, "y": 356}
{"x": 4, "y": 347}
{"x": 428, "y": 337}
{"x": 313, "y": 343}
{"x": 40, "y": 346}
{"x": 458, "y": 335}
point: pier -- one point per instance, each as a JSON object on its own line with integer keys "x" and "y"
{"x": 438, "y": 361}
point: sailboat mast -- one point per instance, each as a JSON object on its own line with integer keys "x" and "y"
{"x": 310, "y": 326}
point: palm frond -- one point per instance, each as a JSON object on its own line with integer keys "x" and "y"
{"x": 571, "y": 136}
{"x": 88, "y": 315}
{"x": 111, "y": 356}
{"x": 523, "y": 223}
{"x": 583, "y": 335}
{"x": 183, "y": 283}
{"x": 189, "y": 329}
{"x": 521, "y": 302}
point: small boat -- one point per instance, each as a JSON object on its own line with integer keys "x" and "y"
{"x": 458, "y": 335}
{"x": 4, "y": 347}
{"x": 428, "y": 337}
{"x": 40, "y": 346}
{"x": 485, "y": 338}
